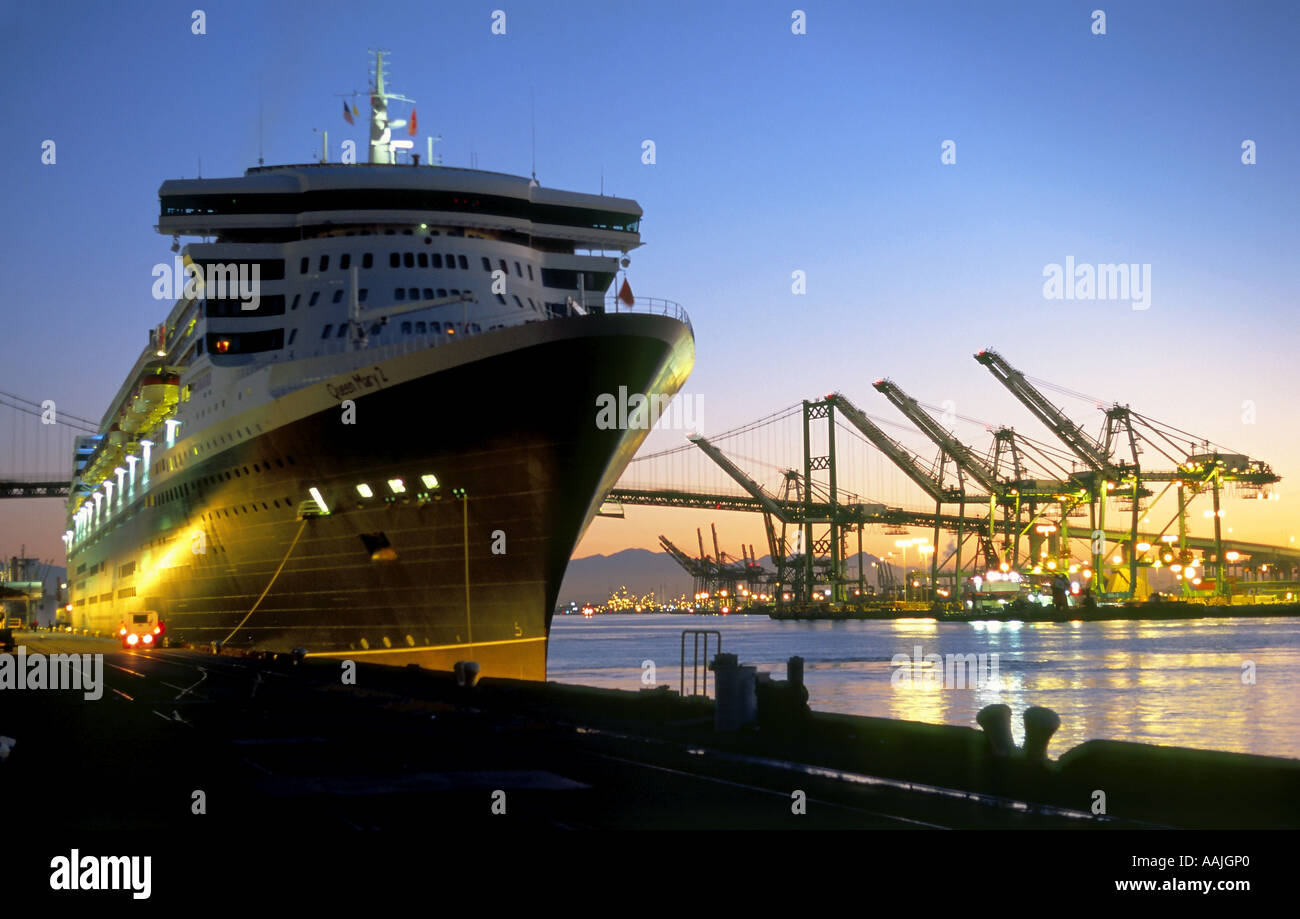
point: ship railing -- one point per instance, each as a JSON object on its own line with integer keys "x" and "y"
{"x": 655, "y": 306}
{"x": 411, "y": 343}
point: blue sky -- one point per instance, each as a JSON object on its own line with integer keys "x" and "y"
{"x": 775, "y": 152}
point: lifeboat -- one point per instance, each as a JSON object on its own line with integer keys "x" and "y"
{"x": 161, "y": 390}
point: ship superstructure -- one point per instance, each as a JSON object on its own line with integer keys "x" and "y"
{"x": 367, "y": 425}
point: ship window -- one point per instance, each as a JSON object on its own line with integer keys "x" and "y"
{"x": 428, "y": 293}
{"x": 338, "y": 295}
{"x": 530, "y": 272}
{"x": 519, "y": 302}
{"x": 422, "y": 259}
{"x": 487, "y": 265}
{"x": 442, "y": 291}
{"x": 394, "y": 260}
{"x": 345, "y": 261}
{"x": 399, "y": 293}
{"x": 501, "y": 300}
{"x": 389, "y": 232}
{"x": 408, "y": 260}
{"x": 464, "y": 262}
{"x": 296, "y": 298}
{"x": 315, "y": 295}
{"x": 246, "y": 342}
{"x": 531, "y": 304}
{"x": 343, "y": 330}
{"x": 504, "y": 266}
{"x": 324, "y": 262}
{"x": 437, "y": 260}
{"x": 326, "y": 333}
{"x": 362, "y": 294}
{"x": 451, "y": 329}
{"x": 302, "y": 268}
{"x": 414, "y": 293}
{"x": 450, "y": 261}
{"x": 279, "y": 463}
{"x": 292, "y": 335}
{"x": 519, "y": 271}
{"x": 407, "y": 233}
{"x": 455, "y": 292}
{"x": 367, "y": 260}
{"x": 474, "y": 327}
{"x": 406, "y": 328}
{"x": 419, "y": 328}
{"x": 376, "y": 328}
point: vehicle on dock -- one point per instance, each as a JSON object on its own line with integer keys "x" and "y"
{"x": 142, "y": 630}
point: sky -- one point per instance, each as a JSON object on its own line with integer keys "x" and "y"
{"x": 775, "y": 153}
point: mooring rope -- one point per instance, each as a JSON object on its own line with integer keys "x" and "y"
{"x": 296, "y": 537}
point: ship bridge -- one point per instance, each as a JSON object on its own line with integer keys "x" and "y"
{"x": 290, "y": 201}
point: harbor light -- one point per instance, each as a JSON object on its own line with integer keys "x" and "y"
{"x": 1232, "y": 555}
{"x": 1143, "y": 546}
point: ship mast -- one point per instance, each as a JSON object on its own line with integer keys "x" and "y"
{"x": 382, "y": 146}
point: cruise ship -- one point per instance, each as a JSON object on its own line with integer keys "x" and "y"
{"x": 368, "y": 427}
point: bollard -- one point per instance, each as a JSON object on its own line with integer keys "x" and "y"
{"x": 737, "y": 699}
{"x": 299, "y": 655}
{"x": 996, "y": 722}
{"x": 794, "y": 671}
{"x": 467, "y": 673}
{"x": 1040, "y": 724}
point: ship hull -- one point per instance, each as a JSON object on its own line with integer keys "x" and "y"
{"x": 231, "y": 546}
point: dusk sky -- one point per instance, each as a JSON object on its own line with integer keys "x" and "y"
{"x": 775, "y": 153}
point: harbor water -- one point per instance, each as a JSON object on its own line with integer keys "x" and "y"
{"x": 1219, "y": 684}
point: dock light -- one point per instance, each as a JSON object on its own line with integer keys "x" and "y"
{"x": 430, "y": 480}
{"x": 1232, "y": 555}
{"x": 364, "y": 490}
{"x": 1004, "y": 567}
{"x": 320, "y": 502}
{"x": 1175, "y": 567}
{"x": 1045, "y": 528}
{"x": 1117, "y": 559}
{"x": 397, "y": 486}
{"x": 1087, "y": 572}
{"x": 1051, "y": 564}
{"x": 1143, "y": 546}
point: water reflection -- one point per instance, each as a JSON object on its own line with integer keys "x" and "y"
{"x": 1177, "y": 683}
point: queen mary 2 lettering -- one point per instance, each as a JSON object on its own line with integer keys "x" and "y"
{"x": 327, "y": 471}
